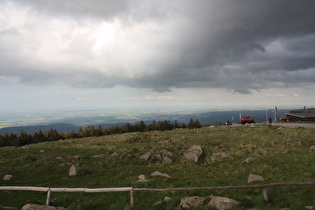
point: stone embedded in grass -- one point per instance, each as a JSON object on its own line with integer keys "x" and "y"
{"x": 166, "y": 199}
{"x": 7, "y": 177}
{"x": 193, "y": 201}
{"x": 74, "y": 170}
{"x": 59, "y": 158}
{"x": 312, "y": 148}
{"x": 248, "y": 160}
{"x": 222, "y": 202}
{"x": 146, "y": 156}
{"x": 41, "y": 150}
{"x": 41, "y": 207}
{"x": 142, "y": 179}
{"x": 157, "y": 173}
{"x": 193, "y": 153}
{"x": 25, "y": 147}
{"x": 99, "y": 156}
{"x": 164, "y": 142}
{"x": 254, "y": 178}
{"x": 262, "y": 151}
{"x": 183, "y": 137}
{"x": 295, "y": 143}
{"x": 167, "y": 160}
{"x": 115, "y": 154}
{"x": 220, "y": 156}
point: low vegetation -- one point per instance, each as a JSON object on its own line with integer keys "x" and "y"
{"x": 276, "y": 161}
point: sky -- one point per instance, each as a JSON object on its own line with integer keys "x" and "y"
{"x": 182, "y": 54}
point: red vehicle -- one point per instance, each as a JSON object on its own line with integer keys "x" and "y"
{"x": 245, "y": 120}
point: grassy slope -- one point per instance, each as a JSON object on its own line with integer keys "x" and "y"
{"x": 280, "y": 163}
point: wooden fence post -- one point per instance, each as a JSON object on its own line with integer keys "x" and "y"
{"x": 132, "y": 199}
{"x": 266, "y": 193}
{"x": 48, "y": 197}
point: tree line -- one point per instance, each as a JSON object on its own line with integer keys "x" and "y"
{"x": 90, "y": 131}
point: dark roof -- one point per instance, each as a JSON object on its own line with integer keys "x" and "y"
{"x": 302, "y": 115}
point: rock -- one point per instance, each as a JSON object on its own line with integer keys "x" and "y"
{"x": 74, "y": 170}
{"x": 222, "y": 203}
{"x": 167, "y": 199}
{"x": 41, "y": 207}
{"x": 183, "y": 137}
{"x": 99, "y": 156}
{"x": 220, "y": 156}
{"x": 115, "y": 154}
{"x": 157, "y": 173}
{"x": 41, "y": 150}
{"x": 309, "y": 207}
{"x": 25, "y": 147}
{"x": 164, "y": 156}
{"x": 7, "y": 177}
{"x": 157, "y": 203}
{"x": 211, "y": 127}
{"x": 158, "y": 157}
{"x": 59, "y": 158}
{"x": 165, "y": 152}
{"x": 142, "y": 179}
{"x": 295, "y": 143}
{"x": 255, "y": 178}
{"x": 312, "y": 148}
{"x": 164, "y": 142}
{"x": 248, "y": 160}
{"x": 8, "y": 207}
{"x": 167, "y": 160}
{"x": 146, "y": 156}
{"x": 193, "y": 201}
{"x": 262, "y": 151}
{"x": 76, "y": 157}
{"x": 194, "y": 153}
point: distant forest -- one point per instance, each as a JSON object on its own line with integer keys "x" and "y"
{"x": 52, "y": 135}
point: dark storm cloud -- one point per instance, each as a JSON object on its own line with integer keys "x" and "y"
{"x": 240, "y": 45}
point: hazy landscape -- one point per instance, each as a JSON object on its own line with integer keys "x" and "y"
{"x": 67, "y": 121}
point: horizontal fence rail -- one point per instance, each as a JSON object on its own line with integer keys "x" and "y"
{"x": 265, "y": 188}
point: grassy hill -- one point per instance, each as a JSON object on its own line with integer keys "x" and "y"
{"x": 276, "y": 161}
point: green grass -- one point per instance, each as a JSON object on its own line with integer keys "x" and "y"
{"x": 279, "y": 163}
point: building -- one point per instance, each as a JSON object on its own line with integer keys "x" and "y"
{"x": 306, "y": 114}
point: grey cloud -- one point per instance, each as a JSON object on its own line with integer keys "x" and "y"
{"x": 205, "y": 43}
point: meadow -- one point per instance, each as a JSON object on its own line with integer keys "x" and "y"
{"x": 276, "y": 161}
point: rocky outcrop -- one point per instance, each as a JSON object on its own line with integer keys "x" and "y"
{"x": 222, "y": 203}
{"x": 220, "y": 156}
{"x": 142, "y": 179}
{"x": 7, "y": 177}
{"x": 193, "y": 201}
{"x": 74, "y": 170}
{"x": 294, "y": 143}
{"x": 249, "y": 160}
{"x": 146, "y": 156}
{"x": 216, "y": 202}
{"x": 193, "y": 153}
{"x": 254, "y": 178}
{"x": 157, "y": 173}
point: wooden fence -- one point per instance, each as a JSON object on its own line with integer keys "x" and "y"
{"x": 265, "y": 189}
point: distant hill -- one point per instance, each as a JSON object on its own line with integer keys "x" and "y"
{"x": 59, "y": 127}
